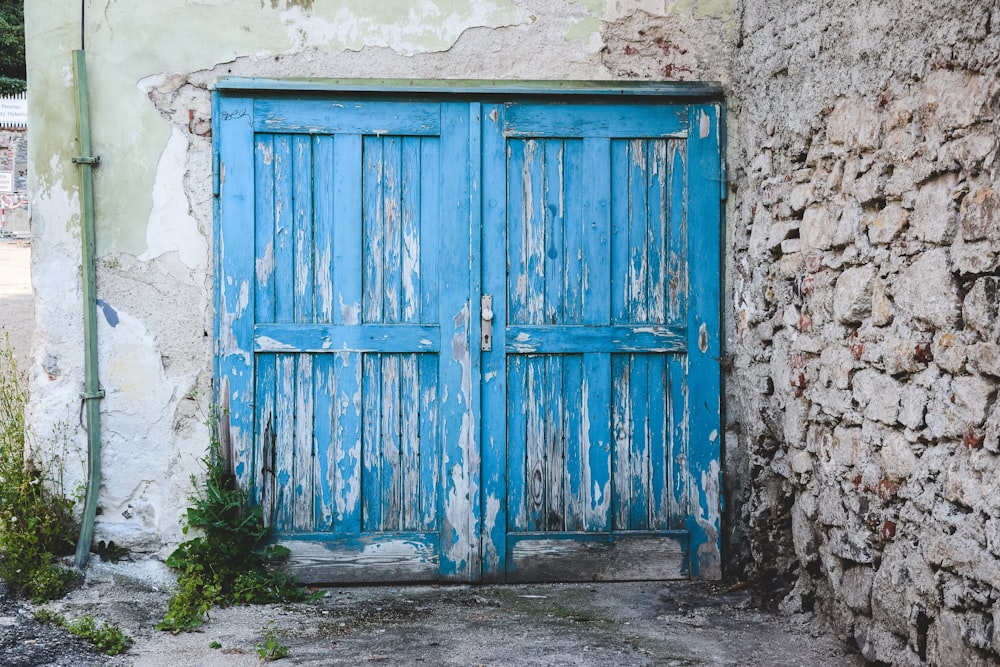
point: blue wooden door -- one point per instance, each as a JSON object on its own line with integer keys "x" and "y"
{"x": 390, "y": 428}
{"x": 344, "y": 313}
{"x": 601, "y": 395}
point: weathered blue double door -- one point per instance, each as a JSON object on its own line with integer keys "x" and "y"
{"x": 473, "y": 341}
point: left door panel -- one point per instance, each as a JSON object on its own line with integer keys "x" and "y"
{"x": 330, "y": 328}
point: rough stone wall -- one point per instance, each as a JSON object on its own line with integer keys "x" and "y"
{"x": 865, "y": 246}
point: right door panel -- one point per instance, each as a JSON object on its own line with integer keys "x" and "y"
{"x": 586, "y": 393}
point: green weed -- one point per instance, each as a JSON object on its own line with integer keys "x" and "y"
{"x": 270, "y": 648}
{"x": 230, "y": 561}
{"x": 108, "y": 639}
{"x": 36, "y": 523}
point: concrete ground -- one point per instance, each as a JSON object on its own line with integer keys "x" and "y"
{"x": 578, "y": 625}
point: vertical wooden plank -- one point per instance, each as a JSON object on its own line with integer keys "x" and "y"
{"x": 351, "y": 437}
{"x": 517, "y": 436}
{"x": 324, "y": 398}
{"x": 391, "y": 464}
{"x": 373, "y": 228}
{"x": 324, "y": 395}
{"x": 284, "y": 442}
{"x": 323, "y": 226}
{"x": 235, "y": 294}
{"x": 621, "y": 205}
{"x": 572, "y": 424}
{"x": 261, "y": 477}
{"x": 473, "y": 446}
{"x": 459, "y": 540}
{"x": 515, "y": 234}
{"x": 264, "y": 227}
{"x": 555, "y": 468}
{"x": 410, "y": 223}
{"x": 554, "y": 281}
{"x": 409, "y": 441}
{"x": 554, "y": 250}
{"x": 596, "y": 311}
{"x": 678, "y": 364}
{"x": 494, "y": 362}
{"x": 371, "y": 482}
{"x": 639, "y": 471}
{"x": 348, "y": 440}
{"x": 576, "y": 489}
{"x": 392, "y": 263}
{"x": 704, "y": 206}
{"x": 657, "y": 225}
{"x": 659, "y": 443}
{"x": 622, "y": 430}
{"x": 410, "y": 191}
{"x": 535, "y": 475}
{"x": 302, "y": 191}
{"x": 533, "y": 239}
{"x": 677, "y": 257}
{"x": 430, "y": 452}
{"x": 265, "y": 419}
{"x": 348, "y": 173}
{"x": 641, "y": 256}
{"x": 573, "y": 231}
{"x": 303, "y": 464}
{"x": 284, "y": 220}
{"x": 430, "y": 249}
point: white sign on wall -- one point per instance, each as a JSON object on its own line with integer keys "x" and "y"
{"x": 14, "y": 111}
{"x": 6, "y": 181}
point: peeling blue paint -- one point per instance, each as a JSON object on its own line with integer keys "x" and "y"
{"x": 109, "y": 313}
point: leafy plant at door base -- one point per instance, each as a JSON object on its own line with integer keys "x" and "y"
{"x": 36, "y": 522}
{"x": 230, "y": 561}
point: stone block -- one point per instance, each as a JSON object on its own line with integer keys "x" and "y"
{"x": 856, "y": 588}
{"x": 842, "y": 446}
{"x": 970, "y": 482}
{"x": 959, "y": 407}
{"x": 890, "y": 592}
{"x": 952, "y": 99}
{"x": 991, "y": 431}
{"x": 933, "y": 217}
{"x": 877, "y": 644}
{"x": 878, "y": 394}
{"x": 984, "y": 358}
{"x": 981, "y": 308}
{"x": 967, "y": 153}
{"x": 850, "y": 544}
{"x": 925, "y": 290}
{"x": 897, "y": 457}
{"x": 979, "y": 217}
{"x": 912, "y": 404}
{"x": 975, "y": 257}
{"x": 852, "y": 296}
{"x": 818, "y": 228}
{"x": 951, "y": 350}
{"x": 944, "y": 641}
{"x": 882, "y": 308}
{"x": 854, "y": 124}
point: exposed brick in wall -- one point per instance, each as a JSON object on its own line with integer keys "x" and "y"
{"x": 866, "y": 337}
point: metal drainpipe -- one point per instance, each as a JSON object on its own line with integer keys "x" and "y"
{"x": 92, "y": 392}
